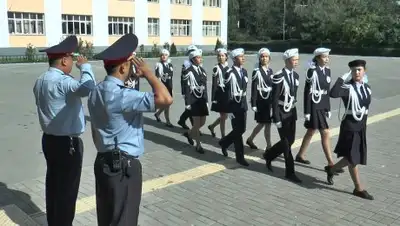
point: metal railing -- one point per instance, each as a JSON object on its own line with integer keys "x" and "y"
{"x": 9, "y": 59}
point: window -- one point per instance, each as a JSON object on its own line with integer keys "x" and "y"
{"x": 25, "y": 23}
{"x": 121, "y": 25}
{"x": 212, "y": 3}
{"x": 153, "y": 26}
{"x": 155, "y": 1}
{"x": 211, "y": 28}
{"x": 182, "y": 2}
{"x": 76, "y": 24}
{"x": 181, "y": 28}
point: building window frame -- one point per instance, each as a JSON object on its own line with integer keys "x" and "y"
{"x": 26, "y": 23}
{"x": 153, "y": 27}
{"x": 181, "y": 28}
{"x": 72, "y": 24}
{"x": 211, "y": 28}
{"x": 118, "y": 26}
{"x": 212, "y": 3}
{"x": 182, "y": 2}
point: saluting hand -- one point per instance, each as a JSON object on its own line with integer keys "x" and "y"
{"x": 81, "y": 60}
{"x": 141, "y": 66}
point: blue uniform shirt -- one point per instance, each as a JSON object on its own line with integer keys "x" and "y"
{"x": 58, "y": 101}
{"x": 116, "y": 111}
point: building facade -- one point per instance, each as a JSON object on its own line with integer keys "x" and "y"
{"x": 45, "y": 22}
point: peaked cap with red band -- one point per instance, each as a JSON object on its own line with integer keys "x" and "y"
{"x": 67, "y": 46}
{"x": 119, "y": 51}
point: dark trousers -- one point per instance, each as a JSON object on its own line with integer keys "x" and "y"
{"x": 235, "y": 137}
{"x": 185, "y": 115}
{"x": 287, "y": 135}
{"x": 64, "y": 167}
{"x": 118, "y": 194}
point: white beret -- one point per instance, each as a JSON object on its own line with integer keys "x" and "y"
{"x": 320, "y": 51}
{"x": 290, "y": 53}
{"x": 191, "y": 47}
{"x": 237, "y": 52}
{"x": 195, "y": 53}
{"x": 222, "y": 50}
{"x": 262, "y": 51}
{"x": 164, "y": 52}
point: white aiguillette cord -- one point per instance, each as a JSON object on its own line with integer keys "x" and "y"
{"x": 354, "y": 102}
{"x": 288, "y": 101}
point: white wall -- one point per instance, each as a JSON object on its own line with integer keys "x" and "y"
{"x": 165, "y": 21}
{"x": 52, "y": 21}
{"x": 100, "y": 22}
{"x": 4, "y": 41}
{"x": 224, "y": 22}
{"x": 197, "y": 22}
{"x": 141, "y": 12}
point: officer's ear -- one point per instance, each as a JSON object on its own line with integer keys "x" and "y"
{"x": 125, "y": 68}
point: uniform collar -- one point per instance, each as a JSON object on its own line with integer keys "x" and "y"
{"x": 114, "y": 79}
{"x": 56, "y": 70}
{"x": 288, "y": 71}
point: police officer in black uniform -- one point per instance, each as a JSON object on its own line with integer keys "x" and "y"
{"x": 352, "y": 142}
{"x": 284, "y": 98}
{"x": 236, "y": 84}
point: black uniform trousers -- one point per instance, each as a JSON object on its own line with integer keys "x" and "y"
{"x": 287, "y": 135}
{"x": 118, "y": 194}
{"x": 236, "y": 135}
{"x": 64, "y": 167}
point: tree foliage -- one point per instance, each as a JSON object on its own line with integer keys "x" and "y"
{"x": 348, "y": 22}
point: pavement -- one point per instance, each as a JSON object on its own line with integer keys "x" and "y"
{"x": 182, "y": 187}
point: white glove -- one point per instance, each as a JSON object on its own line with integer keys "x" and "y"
{"x": 231, "y": 116}
{"x": 346, "y": 77}
{"x": 278, "y": 125}
{"x": 214, "y": 102}
{"x": 328, "y": 114}
{"x": 307, "y": 117}
{"x": 188, "y": 107}
{"x": 254, "y": 109}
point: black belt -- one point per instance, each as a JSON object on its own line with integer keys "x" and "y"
{"x": 124, "y": 154}
{"x": 125, "y": 162}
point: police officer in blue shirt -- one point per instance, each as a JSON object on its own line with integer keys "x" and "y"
{"x": 58, "y": 100}
{"x": 117, "y": 129}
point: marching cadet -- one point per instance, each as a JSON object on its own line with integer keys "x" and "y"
{"x": 196, "y": 97}
{"x": 236, "y": 87}
{"x": 317, "y": 107}
{"x": 59, "y": 105}
{"x": 165, "y": 72}
{"x": 261, "y": 87}
{"x": 133, "y": 81}
{"x": 219, "y": 97}
{"x": 352, "y": 142}
{"x": 284, "y": 113}
{"x": 186, "y": 114}
{"x": 117, "y": 131}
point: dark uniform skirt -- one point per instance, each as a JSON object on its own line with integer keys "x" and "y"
{"x": 353, "y": 146}
{"x": 318, "y": 120}
{"x": 199, "y": 108}
{"x": 222, "y": 102}
{"x": 263, "y": 114}
{"x": 169, "y": 87}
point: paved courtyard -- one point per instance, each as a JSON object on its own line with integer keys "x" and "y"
{"x": 182, "y": 187}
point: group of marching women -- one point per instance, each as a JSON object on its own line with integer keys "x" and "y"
{"x": 273, "y": 100}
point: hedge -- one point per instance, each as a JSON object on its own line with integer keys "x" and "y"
{"x": 339, "y": 49}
